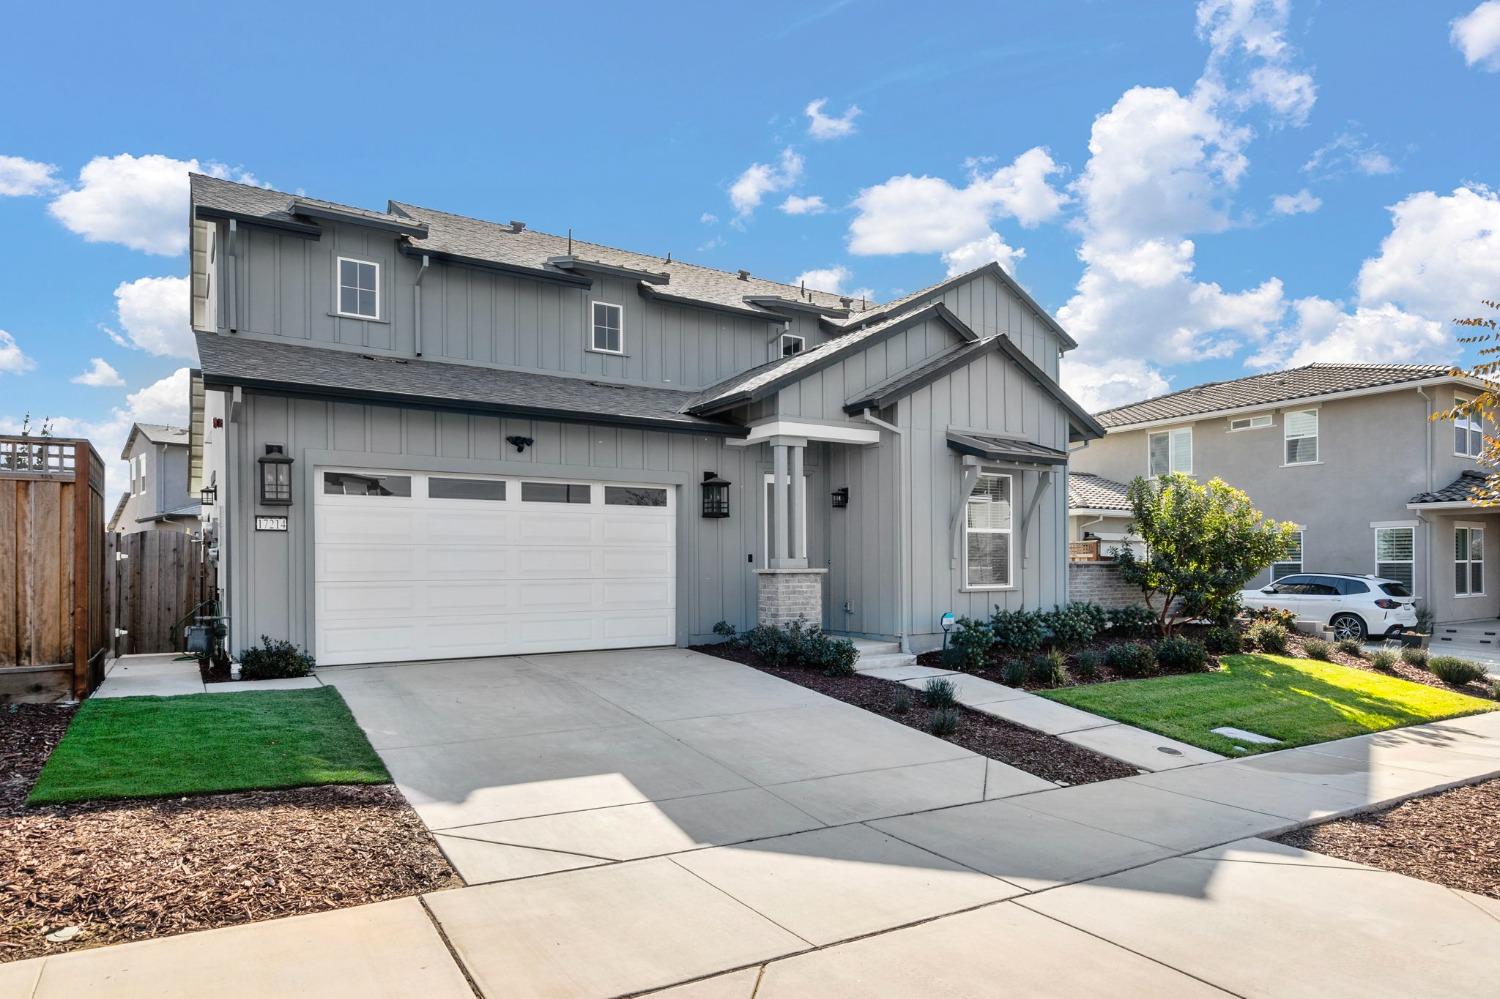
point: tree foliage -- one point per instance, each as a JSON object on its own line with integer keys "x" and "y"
{"x": 1203, "y": 544}
{"x": 1483, "y": 334}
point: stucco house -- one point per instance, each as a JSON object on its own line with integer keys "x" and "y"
{"x": 158, "y": 498}
{"x": 1348, "y": 452}
{"x": 433, "y": 436}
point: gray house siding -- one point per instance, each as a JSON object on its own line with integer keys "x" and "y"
{"x": 822, "y": 394}
{"x": 165, "y": 488}
{"x": 987, "y": 307}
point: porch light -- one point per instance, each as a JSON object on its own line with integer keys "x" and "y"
{"x": 841, "y": 498}
{"x": 208, "y": 494}
{"x": 715, "y": 495}
{"x": 275, "y": 476}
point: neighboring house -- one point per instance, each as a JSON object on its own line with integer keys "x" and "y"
{"x": 433, "y": 436}
{"x": 1347, "y": 452}
{"x": 158, "y": 499}
{"x": 1096, "y": 506}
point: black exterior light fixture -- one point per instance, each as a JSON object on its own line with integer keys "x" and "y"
{"x": 715, "y": 495}
{"x": 208, "y": 495}
{"x": 519, "y": 443}
{"x": 841, "y": 497}
{"x": 275, "y": 476}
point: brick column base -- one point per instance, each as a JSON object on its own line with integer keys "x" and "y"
{"x": 784, "y": 595}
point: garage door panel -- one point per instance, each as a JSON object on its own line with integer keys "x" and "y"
{"x": 341, "y": 644}
{"x": 472, "y": 596}
{"x": 361, "y": 562}
{"x": 635, "y": 627}
{"x": 642, "y": 531}
{"x": 555, "y": 563}
{"x": 463, "y": 526}
{"x": 636, "y": 594}
{"x": 359, "y": 599}
{"x": 488, "y": 561}
{"x": 619, "y": 562}
{"x": 567, "y": 528}
{"x": 362, "y": 523}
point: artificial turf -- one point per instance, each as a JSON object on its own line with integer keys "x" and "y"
{"x": 1298, "y": 701}
{"x": 149, "y": 747}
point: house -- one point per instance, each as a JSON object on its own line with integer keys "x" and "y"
{"x": 158, "y": 499}
{"x": 1347, "y": 452}
{"x": 431, "y": 436}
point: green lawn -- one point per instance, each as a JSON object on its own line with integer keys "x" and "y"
{"x": 149, "y": 747}
{"x": 1299, "y": 701}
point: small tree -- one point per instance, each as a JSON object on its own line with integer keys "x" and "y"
{"x": 1203, "y": 544}
{"x": 1484, "y": 408}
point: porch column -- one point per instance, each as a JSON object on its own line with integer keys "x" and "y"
{"x": 798, "y": 518}
{"x": 780, "y": 507}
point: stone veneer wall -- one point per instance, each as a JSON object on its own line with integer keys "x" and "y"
{"x": 785, "y": 595}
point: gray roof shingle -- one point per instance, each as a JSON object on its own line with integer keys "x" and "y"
{"x": 1087, "y": 491}
{"x": 1469, "y": 487}
{"x": 1268, "y": 389}
{"x": 323, "y": 371}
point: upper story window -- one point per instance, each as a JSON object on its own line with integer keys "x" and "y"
{"x": 1468, "y": 432}
{"x": 1301, "y": 432}
{"x": 791, "y": 344}
{"x": 359, "y": 288}
{"x": 609, "y": 328}
{"x": 1250, "y": 422}
{"x": 1170, "y": 451}
{"x": 987, "y": 533}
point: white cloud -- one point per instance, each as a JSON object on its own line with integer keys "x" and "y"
{"x": 1304, "y": 202}
{"x": 980, "y": 252}
{"x": 929, "y": 215}
{"x": 1325, "y": 332}
{"x": 21, "y": 178}
{"x": 1442, "y": 255}
{"x": 795, "y": 204}
{"x": 708, "y": 218}
{"x": 1477, "y": 36}
{"x": 139, "y": 202}
{"x": 761, "y": 179}
{"x": 829, "y": 279}
{"x": 1250, "y": 60}
{"x": 12, "y": 360}
{"x": 99, "y": 375}
{"x": 1111, "y": 383}
{"x": 153, "y": 313}
{"x": 822, "y": 126}
{"x": 1348, "y": 151}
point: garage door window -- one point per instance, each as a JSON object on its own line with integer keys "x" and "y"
{"x": 634, "y": 496}
{"x": 365, "y": 484}
{"x": 466, "y": 489}
{"x": 554, "y": 492}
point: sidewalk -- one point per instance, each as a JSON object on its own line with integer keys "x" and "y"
{"x": 1156, "y": 885}
{"x": 166, "y": 675}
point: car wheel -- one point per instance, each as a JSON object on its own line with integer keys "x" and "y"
{"x": 1349, "y": 626}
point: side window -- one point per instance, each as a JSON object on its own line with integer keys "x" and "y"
{"x": 1468, "y": 431}
{"x": 791, "y": 344}
{"x": 987, "y": 532}
{"x": 1395, "y": 554}
{"x": 1170, "y": 451}
{"x": 1301, "y": 437}
{"x": 609, "y": 328}
{"x": 359, "y": 288}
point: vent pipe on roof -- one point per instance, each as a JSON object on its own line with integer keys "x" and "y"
{"x": 744, "y": 274}
{"x": 516, "y": 226}
{"x": 570, "y": 241}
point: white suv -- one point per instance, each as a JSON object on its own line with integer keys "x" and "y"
{"x": 1354, "y": 606}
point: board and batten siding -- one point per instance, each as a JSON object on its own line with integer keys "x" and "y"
{"x": 821, "y": 395}
{"x": 988, "y": 307}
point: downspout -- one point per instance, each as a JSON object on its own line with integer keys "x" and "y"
{"x": 417, "y": 305}
{"x": 234, "y": 276}
{"x": 901, "y": 583}
{"x": 1422, "y": 519}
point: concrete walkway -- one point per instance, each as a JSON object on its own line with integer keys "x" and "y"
{"x": 165, "y": 675}
{"x": 1156, "y": 885}
{"x": 1475, "y": 640}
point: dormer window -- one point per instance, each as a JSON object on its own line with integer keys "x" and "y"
{"x": 359, "y": 289}
{"x": 791, "y": 344}
{"x": 609, "y": 328}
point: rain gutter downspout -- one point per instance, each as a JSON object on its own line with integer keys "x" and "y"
{"x": 417, "y": 306}
{"x": 901, "y": 596}
{"x": 1421, "y": 517}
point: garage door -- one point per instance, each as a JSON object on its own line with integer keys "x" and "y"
{"x": 412, "y": 565}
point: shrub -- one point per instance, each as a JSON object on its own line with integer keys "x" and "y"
{"x": 1351, "y": 647}
{"x": 274, "y": 660}
{"x": 969, "y": 644}
{"x": 1130, "y": 659}
{"x": 1268, "y": 636}
{"x": 834, "y": 656}
{"x": 1049, "y": 669}
{"x": 902, "y": 704}
{"x": 798, "y": 644}
{"x": 1222, "y": 640}
{"x": 1180, "y": 654}
{"x": 943, "y": 721}
{"x": 940, "y": 692}
{"x": 1276, "y": 615}
{"x": 1454, "y": 671}
{"x": 1316, "y": 648}
{"x": 724, "y": 629}
{"x": 1414, "y": 656}
{"x": 1016, "y": 631}
{"x": 1132, "y": 621}
{"x": 1090, "y": 661}
{"x": 1075, "y": 624}
{"x": 1426, "y": 620}
{"x": 1384, "y": 659}
{"x": 1015, "y": 673}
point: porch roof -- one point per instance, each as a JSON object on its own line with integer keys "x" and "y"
{"x": 1008, "y": 449}
{"x": 1468, "y": 490}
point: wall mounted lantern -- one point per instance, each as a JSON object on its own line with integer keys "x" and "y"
{"x": 715, "y": 495}
{"x": 207, "y": 495}
{"x": 841, "y": 498}
{"x": 275, "y": 476}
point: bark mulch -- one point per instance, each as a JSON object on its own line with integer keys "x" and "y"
{"x": 123, "y": 871}
{"x": 1451, "y": 838}
{"x": 1026, "y": 749}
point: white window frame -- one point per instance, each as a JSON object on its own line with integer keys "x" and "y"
{"x": 1010, "y": 548}
{"x": 1172, "y": 451}
{"x": 781, "y": 344}
{"x": 1300, "y": 561}
{"x": 1316, "y": 437}
{"x": 1412, "y": 562}
{"x": 338, "y": 287}
{"x": 1469, "y": 424}
{"x": 594, "y": 328}
{"x": 1469, "y": 561}
{"x": 1258, "y": 422}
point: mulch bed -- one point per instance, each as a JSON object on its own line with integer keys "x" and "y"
{"x": 131, "y": 870}
{"x": 1451, "y": 838}
{"x": 1026, "y": 749}
{"x": 1404, "y": 670}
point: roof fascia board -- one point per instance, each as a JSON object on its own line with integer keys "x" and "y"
{"x": 610, "y": 270}
{"x": 1089, "y": 427}
{"x": 647, "y": 291}
{"x": 353, "y": 218}
{"x": 776, "y": 302}
{"x": 207, "y": 213}
{"x": 1449, "y": 505}
{"x": 1097, "y": 511}
{"x": 1265, "y": 407}
{"x": 535, "y": 273}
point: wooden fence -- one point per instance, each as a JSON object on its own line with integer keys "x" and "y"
{"x": 156, "y": 587}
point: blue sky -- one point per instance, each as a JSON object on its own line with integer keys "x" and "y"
{"x": 1199, "y": 191}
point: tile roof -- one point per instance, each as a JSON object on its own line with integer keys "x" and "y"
{"x": 239, "y": 360}
{"x": 1268, "y": 389}
{"x": 1087, "y": 491}
{"x": 1469, "y": 487}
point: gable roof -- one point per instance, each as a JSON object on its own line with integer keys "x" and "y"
{"x": 1087, "y": 491}
{"x": 114, "y": 518}
{"x": 1272, "y": 387}
{"x": 345, "y": 374}
{"x": 156, "y": 433}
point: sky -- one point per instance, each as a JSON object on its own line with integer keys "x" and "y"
{"x": 1196, "y": 190}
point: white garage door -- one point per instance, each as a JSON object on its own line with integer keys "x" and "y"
{"x": 413, "y": 565}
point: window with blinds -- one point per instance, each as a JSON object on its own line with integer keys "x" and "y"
{"x": 1292, "y": 564}
{"x": 1394, "y": 554}
{"x": 987, "y": 532}
{"x": 1301, "y": 437}
{"x": 1468, "y": 561}
{"x": 1170, "y": 451}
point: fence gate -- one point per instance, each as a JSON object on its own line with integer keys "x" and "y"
{"x": 157, "y": 585}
